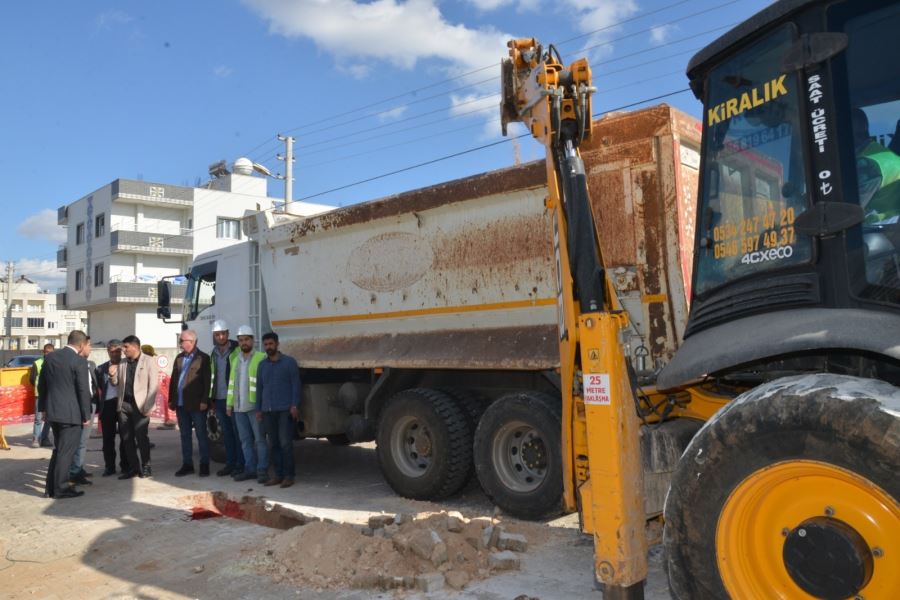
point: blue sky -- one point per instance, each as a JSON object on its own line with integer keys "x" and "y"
{"x": 96, "y": 90}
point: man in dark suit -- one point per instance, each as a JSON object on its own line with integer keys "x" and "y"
{"x": 66, "y": 394}
{"x": 77, "y": 474}
{"x": 109, "y": 418}
{"x": 189, "y": 397}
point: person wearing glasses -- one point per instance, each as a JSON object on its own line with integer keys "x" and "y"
{"x": 189, "y": 398}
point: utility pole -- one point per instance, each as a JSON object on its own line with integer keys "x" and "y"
{"x": 288, "y": 176}
{"x": 9, "y": 277}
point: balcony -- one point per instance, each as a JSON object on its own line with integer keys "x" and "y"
{"x": 135, "y": 292}
{"x": 151, "y": 194}
{"x": 62, "y": 215}
{"x": 62, "y": 257}
{"x": 152, "y": 243}
{"x": 61, "y": 301}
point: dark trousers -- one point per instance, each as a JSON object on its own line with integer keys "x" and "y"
{"x": 280, "y": 426}
{"x": 134, "y": 428}
{"x": 66, "y": 438}
{"x": 109, "y": 423}
{"x": 196, "y": 420}
{"x": 234, "y": 457}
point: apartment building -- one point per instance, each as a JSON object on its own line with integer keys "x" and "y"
{"x": 32, "y": 318}
{"x": 127, "y": 235}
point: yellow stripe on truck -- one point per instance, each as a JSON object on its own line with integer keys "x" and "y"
{"x": 419, "y": 312}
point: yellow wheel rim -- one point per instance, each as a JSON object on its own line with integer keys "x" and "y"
{"x": 750, "y": 533}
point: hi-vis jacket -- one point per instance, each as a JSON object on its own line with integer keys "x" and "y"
{"x": 256, "y": 358}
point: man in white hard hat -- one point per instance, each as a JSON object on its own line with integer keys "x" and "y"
{"x": 223, "y": 348}
{"x": 242, "y": 404}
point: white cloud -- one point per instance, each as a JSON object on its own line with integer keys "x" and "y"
{"x": 43, "y": 272}
{"x": 600, "y": 17}
{"x": 392, "y": 114}
{"x": 222, "y": 71}
{"x": 398, "y": 32}
{"x": 473, "y": 105}
{"x": 489, "y": 5}
{"x": 42, "y": 226}
{"x": 356, "y": 71}
{"x": 112, "y": 18}
{"x": 661, "y": 33}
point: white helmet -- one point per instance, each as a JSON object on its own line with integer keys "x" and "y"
{"x": 245, "y": 330}
{"x": 219, "y": 325}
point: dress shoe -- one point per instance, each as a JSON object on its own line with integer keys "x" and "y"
{"x": 204, "y": 470}
{"x": 262, "y": 479}
{"x": 287, "y": 483}
{"x": 237, "y": 471}
{"x": 152, "y": 445}
{"x": 184, "y": 470}
{"x": 128, "y": 475}
{"x": 84, "y": 473}
{"x": 228, "y": 470}
{"x": 273, "y": 481}
{"x": 80, "y": 480}
{"x": 69, "y": 493}
{"x": 146, "y": 472}
{"x": 245, "y": 476}
{"x": 108, "y": 472}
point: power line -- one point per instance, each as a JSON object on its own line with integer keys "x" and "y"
{"x": 395, "y": 172}
{"x": 481, "y": 69}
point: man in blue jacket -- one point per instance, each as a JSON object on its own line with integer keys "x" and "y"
{"x": 278, "y": 390}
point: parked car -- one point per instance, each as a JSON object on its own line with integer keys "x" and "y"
{"x": 23, "y": 360}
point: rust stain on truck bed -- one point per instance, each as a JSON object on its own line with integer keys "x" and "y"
{"x": 498, "y": 243}
{"x": 517, "y": 348}
{"x": 526, "y": 176}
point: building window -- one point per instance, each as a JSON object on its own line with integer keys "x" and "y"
{"x": 98, "y": 274}
{"x": 16, "y": 322}
{"x": 79, "y": 234}
{"x": 79, "y": 279}
{"x": 33, "y": 342}
{"x": 100, "y": 225}
{"x": 51, "y": 325}
{"x": 51, "y": 307}
{"x": 228, "y": 229}
{"x": 35, "y": 322}
{"x": 70, "y": 325}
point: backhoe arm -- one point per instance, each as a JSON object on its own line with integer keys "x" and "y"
{"x": 601, "y": 451}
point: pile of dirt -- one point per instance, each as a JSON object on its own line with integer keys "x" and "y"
{"x": 394, "y": 552}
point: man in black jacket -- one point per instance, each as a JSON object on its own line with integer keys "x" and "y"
{"x": 65, "y": 390}
{"x": 109, "y": 419}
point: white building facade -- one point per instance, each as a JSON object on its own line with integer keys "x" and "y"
{"x": 32, "y": 318}
{"x": 126, "y": 236}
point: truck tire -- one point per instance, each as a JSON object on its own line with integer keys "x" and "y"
{"x": 791, "y": 490}
{"x": 471, "y": 402}
{"x": 214, "y": 433}
{"x": 338, "y": 439}
{"x": 424, "y": 444}
{"x": 518, "y": 454}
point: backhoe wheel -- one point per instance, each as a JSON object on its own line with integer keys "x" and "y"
{"x": 790, "y": 491}
{"x": 424, "y": 444}
{"x": 517, "y": 454}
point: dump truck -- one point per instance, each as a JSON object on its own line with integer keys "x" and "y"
{"x": 411, "y": 315}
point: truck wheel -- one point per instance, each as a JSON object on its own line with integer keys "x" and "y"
{"x": 338, "y": 439}
{"x": 471, "y": 402}
{"x": 424, "y": 444}
{"x": 790, "y": 491}
{"x": 216, "y": 442}
{"x": 517, "y": 454}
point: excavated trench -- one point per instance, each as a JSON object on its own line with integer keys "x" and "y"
{"x": 208, "y": 505}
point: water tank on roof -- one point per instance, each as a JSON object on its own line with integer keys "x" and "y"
{"x": 243, "y": 166}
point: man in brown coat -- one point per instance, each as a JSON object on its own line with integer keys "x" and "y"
{"x": 137, "y": 380}
{"x": 189, "y": 398}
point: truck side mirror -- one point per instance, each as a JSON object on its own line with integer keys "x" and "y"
{"x": 163, "y": 300}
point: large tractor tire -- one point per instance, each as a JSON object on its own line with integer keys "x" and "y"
{"x": 424, "y": 444}
{"x": 518, "y": 454}
{"x": 791, "y": 491}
